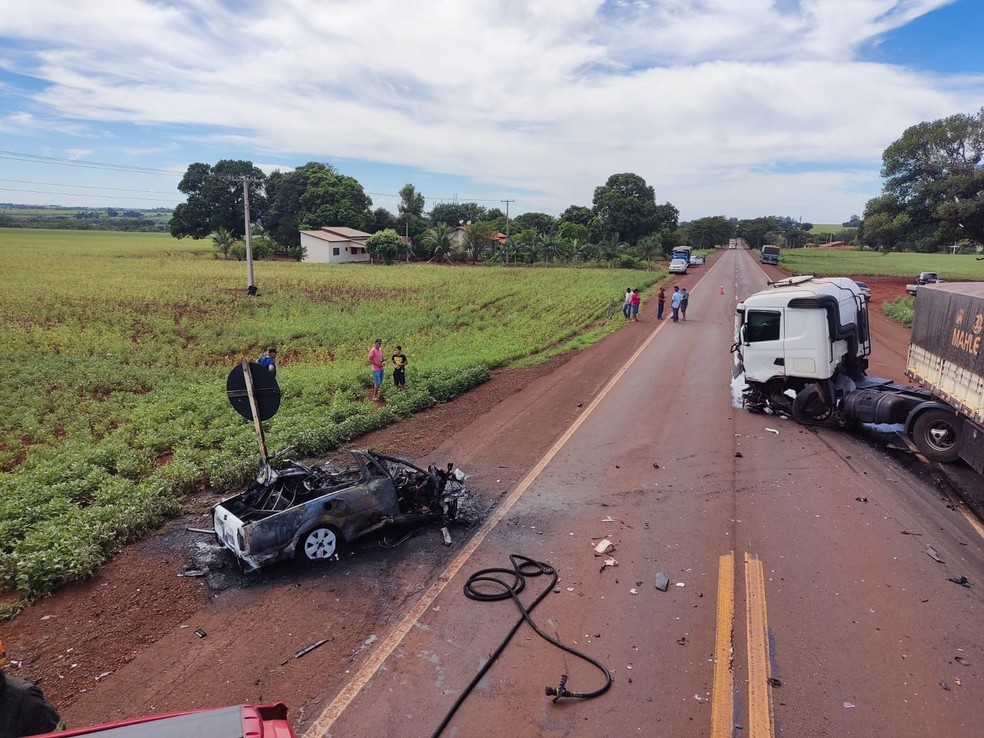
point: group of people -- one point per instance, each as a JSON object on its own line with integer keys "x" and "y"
{"x": 377, "y": 363}
{"x": 678, "y": 303}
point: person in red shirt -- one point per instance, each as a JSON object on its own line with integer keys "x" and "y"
{"x": 636, "y": 300}
{"x": 376, "y": 363}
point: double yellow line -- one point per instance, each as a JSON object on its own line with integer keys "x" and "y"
{"x": 761, "y": 720}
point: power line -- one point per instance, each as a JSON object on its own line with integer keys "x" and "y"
{"x": 77, "y": 194}
{"x": 82, "y": 163}
{"x": 87, "y": 187}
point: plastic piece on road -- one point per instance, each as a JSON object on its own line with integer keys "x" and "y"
{"x": 931, "y": 552}
{"x": 848, "y": 705}
{"x": 662, "y": 581}
{"x": 605, "y": 546}
{"x": 962, "y": 581}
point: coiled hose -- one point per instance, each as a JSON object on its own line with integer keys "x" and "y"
{"x": 510, "y": 584}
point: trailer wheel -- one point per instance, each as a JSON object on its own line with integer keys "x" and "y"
{"x": 937, "y": 434}
{"x": 321, "y": 543}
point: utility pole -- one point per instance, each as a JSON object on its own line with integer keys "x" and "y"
{"x": 507, "y": 227}
{"x": 250, "y": 281}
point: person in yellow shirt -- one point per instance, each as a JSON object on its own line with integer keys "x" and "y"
{"x": 399, "y": 368}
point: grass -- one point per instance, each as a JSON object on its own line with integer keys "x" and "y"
{"x": 901, "y": 310}
{"x": 117, "y": 346}
{"x": 835, "y": 263}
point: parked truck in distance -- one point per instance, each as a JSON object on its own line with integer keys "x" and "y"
{"x": 803, "y": 346}
{"x": 769, "y": 255}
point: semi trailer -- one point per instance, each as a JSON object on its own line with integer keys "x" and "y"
{"x": 803, "y": 345}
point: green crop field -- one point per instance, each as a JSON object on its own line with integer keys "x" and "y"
{"x": 837, "y": 263}
{"x": 117, "y": 345}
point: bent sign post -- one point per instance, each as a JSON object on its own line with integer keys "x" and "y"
{"x": 254, "y": 393}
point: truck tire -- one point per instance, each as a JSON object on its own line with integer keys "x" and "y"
{"x": 936, "y": 434}
{"x": 321, "y": 543}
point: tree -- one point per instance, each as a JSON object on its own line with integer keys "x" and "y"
{"x": 215, "y": 199}
{"x": 539, "y": 222}
{"x": 437, "y": 241}
{"x": 755, "y": 230}
{"x": 385, "y": 244}
{"x": 312, "y": 196}
{"x": 411, "y": 203}
{"x": 577, "y": 214}
{"x": 382, "y": 219}
{"x": 885, "y": 225}
{"x": 625, "y": 205}
{"x": 478, "y": 240}
{"x": 706, "y": 233}
{"x": 456, "y": 213}
{"x": 934, "y": 175}
{"x": 223, "y": 240}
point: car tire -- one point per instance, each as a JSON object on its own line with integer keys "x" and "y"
{"x": 936, "y": 434}
{"x": 319, "y": 544}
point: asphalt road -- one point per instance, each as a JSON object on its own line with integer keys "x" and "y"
{"x": 802, "y": 599}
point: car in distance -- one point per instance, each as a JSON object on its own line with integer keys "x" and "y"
{"x": 678, "y": 266}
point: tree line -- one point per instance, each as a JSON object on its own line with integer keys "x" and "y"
{"x": 932, "y": 200}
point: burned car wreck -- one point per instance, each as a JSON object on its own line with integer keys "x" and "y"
{"x": 311, "y": 511}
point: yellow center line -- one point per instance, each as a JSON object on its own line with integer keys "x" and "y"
{"x": 760, "y": 718}
{"x": 723, "y": 692}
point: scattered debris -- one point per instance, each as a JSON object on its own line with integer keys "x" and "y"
{"x": 861, "y": 499}
{"x": 848, "y": 705}
{"x": 200, "y": 633}
{"x": 605, "y": 546}
{"x": 680, "y": 584}
{"x": 682, "y": 640}
{"x": 310, "y": 647}
{"x": 192, "y": 573}
{"x": 946, "y": 687}
{"x": 962, "y": 581}
{"x": 446, "y": 535}
{"x": 662, "y": 581}
{"x": 655, "y": 465}
{"x": 608, "y": 562}
{"x": 607, "y": 519}
{"x": 201, "y": 530}
{"x": 738, "y": 455}
{"x": 961, "y": 660}
{"x": 773, "y": 430}
{"x": 910, "y": 533}
{"x": 580, "y": 404}
{"x": 774, "y": 681}
{"x": 634, "y": 591}
{"x": 103, "y": 675}
{"x": 931, "y": 552}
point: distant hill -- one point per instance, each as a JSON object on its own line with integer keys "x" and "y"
{"x": 15, "y": 215}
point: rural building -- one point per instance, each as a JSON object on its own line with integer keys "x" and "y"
{"x": 335, "y": 245}
{"x": 457, "y": 236}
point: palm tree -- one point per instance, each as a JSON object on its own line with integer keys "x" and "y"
{"x": 223, "y": 240}
{"x": 438, "y": 240}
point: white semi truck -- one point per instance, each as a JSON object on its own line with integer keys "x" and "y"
{"x": 803, "y": 346}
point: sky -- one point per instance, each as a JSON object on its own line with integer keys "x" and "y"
{"x": 739, "y": 108}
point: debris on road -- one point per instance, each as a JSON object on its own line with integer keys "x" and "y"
{"x": 680, "y": 584}
{"x": 861, "y": 499}
{"x": 608, "y": 562}
{"x": 946, "y": 687}
{"x": 931, "y": 552}
{"x": 603, "y": 547}
{"x": 308, "y": 648}
{"x": 738, "y": 455}
{"x": 962, "y": 581}
{"x": 200, "y": 633}
{"x": 201, "y": 530}
{"x": 773, "y": 430}
{"x": 607, "y": 519}
{"x": 446, "y": 535}
{"x": 848, "y": 705}
{"x": 961, "y": 660}
{"x": 634, "y": 591}
{"x": 662, "y": 581}
{"x": 192, "y": 573}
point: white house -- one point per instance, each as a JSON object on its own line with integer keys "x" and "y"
{"x": 335, "y": 245}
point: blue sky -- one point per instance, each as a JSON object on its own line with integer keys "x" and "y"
{"x": 726, "y": 107}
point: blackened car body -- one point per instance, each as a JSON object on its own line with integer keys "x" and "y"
{"x": 311, "y": 511}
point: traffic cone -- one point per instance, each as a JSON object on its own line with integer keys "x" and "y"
{"x": 722, "y": 289}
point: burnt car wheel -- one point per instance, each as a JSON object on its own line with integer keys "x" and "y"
{"x": 321, "y": 543}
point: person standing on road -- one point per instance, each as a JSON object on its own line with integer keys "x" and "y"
{"x": 683, "y": 302}
{"x": 675, "y": 303}
{"x": 627, "y": 303}
{"x": 376, "y": 363}
{"x": 660, "y": 303}
{"x": 399, "y": 368}
{"x": 269, "y": 360}
{"x": 635, "y": 302}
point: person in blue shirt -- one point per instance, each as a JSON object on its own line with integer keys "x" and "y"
{"x": 269, "y": 360}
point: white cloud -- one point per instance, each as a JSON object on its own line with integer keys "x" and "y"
{"x": 706, "y": 99}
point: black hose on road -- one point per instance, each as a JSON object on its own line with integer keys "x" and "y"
{"x": 512, "y": 583}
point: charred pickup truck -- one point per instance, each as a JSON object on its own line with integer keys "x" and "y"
{"x": 311, "y": 511}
